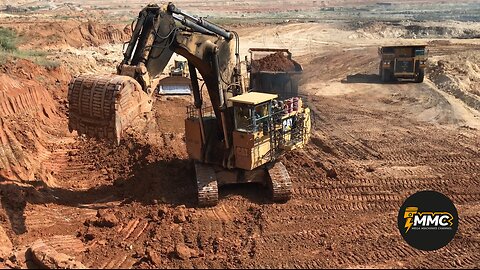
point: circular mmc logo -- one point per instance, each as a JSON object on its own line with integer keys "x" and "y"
{"x": 428, "y": 220}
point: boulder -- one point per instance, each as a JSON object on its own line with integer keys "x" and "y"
{"x": 183, "y": 252}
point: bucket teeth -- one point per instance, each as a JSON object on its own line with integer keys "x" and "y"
{"x": 103, "y": 106}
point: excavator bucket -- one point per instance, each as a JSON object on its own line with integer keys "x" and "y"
{"x": 103, "y": 106}
{"x": 175, "y": 85}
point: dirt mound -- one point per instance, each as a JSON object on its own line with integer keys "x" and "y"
{"x": 52, "y": 79}
{"x": 459, "y": 75}
{"x": 71, "y": 33}
{"x": 273, "y": 62}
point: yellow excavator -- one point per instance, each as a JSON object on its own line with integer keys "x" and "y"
{"x": 237, "y": 138}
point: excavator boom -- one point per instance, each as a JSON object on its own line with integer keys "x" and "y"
{"x": 103, "y": 106}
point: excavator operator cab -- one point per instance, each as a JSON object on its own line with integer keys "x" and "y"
{"x": 252, "y": 111}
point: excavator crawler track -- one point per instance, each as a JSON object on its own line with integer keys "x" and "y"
{"x": 280, "y": 184}
{"x": 103, "y": 106}
{"x": 207, "y": 185}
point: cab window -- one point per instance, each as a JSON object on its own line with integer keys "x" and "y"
{"x": 243, "y": 118}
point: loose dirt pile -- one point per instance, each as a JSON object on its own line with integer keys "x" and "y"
{"x": 50, "y": 180}
{"x": 273, "y": 62}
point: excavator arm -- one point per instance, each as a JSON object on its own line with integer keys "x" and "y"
{"x": 103, "y": 106}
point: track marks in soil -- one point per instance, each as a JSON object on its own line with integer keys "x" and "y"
{"x": 40, "y": 217}
{"x": 378, "y": 163}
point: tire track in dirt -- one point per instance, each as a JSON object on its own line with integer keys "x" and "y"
{"x": 128, "y": 234}
{"x": 39, "y": 218}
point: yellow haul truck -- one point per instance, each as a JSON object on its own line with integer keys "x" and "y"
{"x": 402, "y": 62}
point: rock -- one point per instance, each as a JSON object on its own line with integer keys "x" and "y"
{"x": 107, "y": 220}
{"x": 183, "y": 252}
{"x": 154, "y": 257}
{"x": 328, "y": 167}
{"x": 194, "y": 253}
{"x": 162, "y": 212}
{"x": 180, "y": 218}
{"x": 330, "y": 170}
{"x": 180, "y": 215}
{"x": 317, "y": 186}
{"x": 47, "y": 257}
{"x": 10, "y": 264}
{"x": 6, "y": 246}
{"x": 89, "y": 221}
